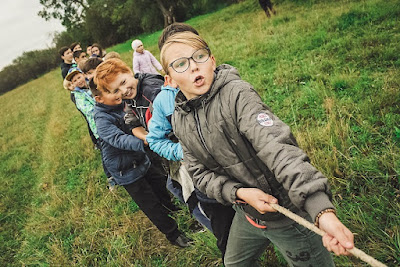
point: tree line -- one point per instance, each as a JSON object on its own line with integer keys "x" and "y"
{"x": 107, "y": 22}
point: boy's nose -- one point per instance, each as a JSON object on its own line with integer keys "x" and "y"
{"x": 123, "y": 90}
{"x": 193, "y": 65}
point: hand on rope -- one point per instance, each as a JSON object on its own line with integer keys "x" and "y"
{"x": 257, "y": 199}
{"x": 338, "y": 238}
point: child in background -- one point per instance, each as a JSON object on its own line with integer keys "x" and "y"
{"x": 97, "y": 51}
{"x": 75, "y": 46}
{"x": 89, "y": 67}
{"x": 89, "y": 50}
{"x": 111, "y": 55}
{"x": 238, "y": 151}
{"x": 67, "y": 57}
{"x": 124, "y": 154}
{"x": 79, "y": 56}
{"x": 162, "y": 140}
{"x": 143, "y": 60}
{"x": 83, "y": 97}
{"x": 70, "y": 86}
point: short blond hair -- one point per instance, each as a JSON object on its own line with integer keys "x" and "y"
{"x": 111, "y": 55}
{"x": 187, "y": 38}
{"x": 107, "y": 71}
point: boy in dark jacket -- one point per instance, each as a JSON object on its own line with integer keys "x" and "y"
{"x": 124, "y": 154}
{"x": 67, "y": 57}
{"x": 238, "y": 151}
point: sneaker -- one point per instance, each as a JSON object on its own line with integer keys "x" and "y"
{"x": 182, "y": 241}
{"x": 196, "y": 227}
{"x": 111, "y": 184}
{"x": 111, "y": 188}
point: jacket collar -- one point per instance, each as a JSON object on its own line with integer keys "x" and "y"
{"x": 169, "y": 88}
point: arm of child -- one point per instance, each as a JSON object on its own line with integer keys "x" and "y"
{"x": 338, "y": 237}
{"x": 257, "y": 199}
{"x": 140, "y": 133}
{"x": 275, "y": 145}
{"x": 214, "y": 185}
{"x": 155, "y": 62}
{"x": 160, "y": 127}
{"x": 136, "y": 65}
{"x": 111, "y": 134}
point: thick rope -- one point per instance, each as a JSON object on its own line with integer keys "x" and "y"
{"x": 355, "y": 251}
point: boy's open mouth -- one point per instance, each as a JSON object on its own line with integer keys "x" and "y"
{"x": 199, "y": 80}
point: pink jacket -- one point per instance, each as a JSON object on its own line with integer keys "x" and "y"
{"x": 145, "y": 63}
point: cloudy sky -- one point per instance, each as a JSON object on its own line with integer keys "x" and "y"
{"x": 21, "y": 29}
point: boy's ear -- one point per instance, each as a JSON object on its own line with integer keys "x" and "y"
{"x": 213, "y": 61}
{"x": 98, "y": 98}
{"x": 169, "y": 81}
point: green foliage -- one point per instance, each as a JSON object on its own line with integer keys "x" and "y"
{"x": 329, "y": 69}
{"x": 30, "y": 65}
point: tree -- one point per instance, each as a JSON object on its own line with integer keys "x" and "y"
{"x": 168, "y": 13}
{"x": 69, "y": 12}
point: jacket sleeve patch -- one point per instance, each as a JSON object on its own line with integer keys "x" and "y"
{"x": 264, "y": 120}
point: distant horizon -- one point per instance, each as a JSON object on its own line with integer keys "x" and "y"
{"x": 25, "y": 30}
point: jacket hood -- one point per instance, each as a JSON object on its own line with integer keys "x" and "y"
{"x": 146, "y": 79}
{"x": 223, "y": 74}
{"x": 139, "y": 76}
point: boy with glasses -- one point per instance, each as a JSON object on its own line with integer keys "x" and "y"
{"x": 240, "y": 153}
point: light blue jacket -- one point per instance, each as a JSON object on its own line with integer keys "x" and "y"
{"x": 160, "y": 125}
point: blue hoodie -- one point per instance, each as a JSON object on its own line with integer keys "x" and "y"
{"x": 160, "y": 125}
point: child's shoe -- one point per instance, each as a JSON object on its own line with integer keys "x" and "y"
{"x": 111, "y": 184}
{"x": 182, "y": 241}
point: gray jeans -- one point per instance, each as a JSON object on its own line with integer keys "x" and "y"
{"x": 299, "y": 246}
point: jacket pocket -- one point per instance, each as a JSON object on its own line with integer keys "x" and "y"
{"x": 126, "y": 162}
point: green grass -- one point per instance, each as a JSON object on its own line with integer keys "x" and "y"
{"x": 330, "y": 69}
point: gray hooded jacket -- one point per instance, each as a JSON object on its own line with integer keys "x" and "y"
{"x": 231, "y": 139}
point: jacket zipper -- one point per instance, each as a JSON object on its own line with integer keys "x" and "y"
{"x": 140, "y": 112}
{"x": 203, "y": 142}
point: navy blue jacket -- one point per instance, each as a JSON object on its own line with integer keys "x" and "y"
{"x": 123, "y": 154}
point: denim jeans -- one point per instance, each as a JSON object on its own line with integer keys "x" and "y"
{"x": 197, "y": 211}
{"x": 298, "y": 245}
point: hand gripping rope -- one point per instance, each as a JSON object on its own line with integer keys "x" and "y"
{"x": 355, "y": 251}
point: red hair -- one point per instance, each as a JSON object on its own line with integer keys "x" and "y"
{"x": 107, "y": 72}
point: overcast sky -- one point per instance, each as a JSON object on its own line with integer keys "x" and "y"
{"x": 21, "y": 29}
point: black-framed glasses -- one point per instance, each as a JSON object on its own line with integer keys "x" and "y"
{"x": 182, "y": 64}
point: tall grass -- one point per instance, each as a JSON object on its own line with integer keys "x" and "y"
{"x": 330, "y": 69}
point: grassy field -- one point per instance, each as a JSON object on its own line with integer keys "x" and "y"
{"x": 330, "y": 69}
